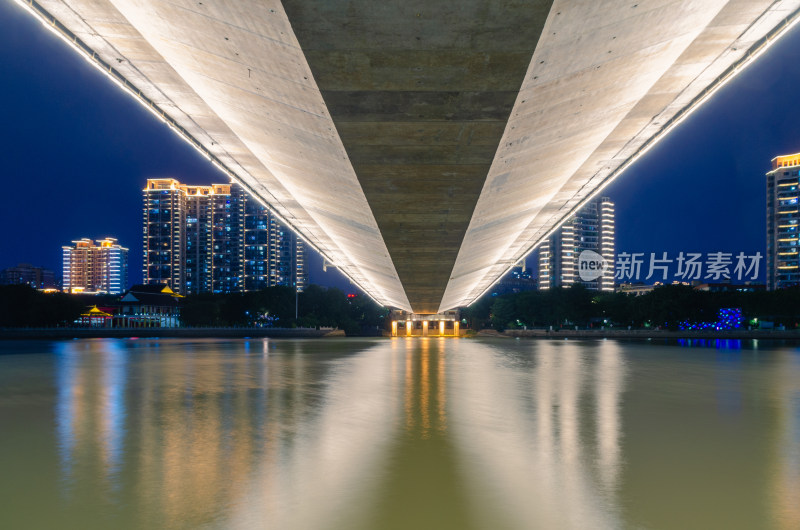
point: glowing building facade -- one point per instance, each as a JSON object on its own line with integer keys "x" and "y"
{"x": 213, "y": 257}
{"x": 216, "y": 238}
{"x": 164, "y": 233}
{"x": 591, "y": 229}
{"x": 90, "y": 266}
{"x": 783, "y": 188}
{"x": 271, "y": 253}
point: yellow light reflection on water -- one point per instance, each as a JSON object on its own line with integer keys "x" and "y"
{"x": 419, "y": 432}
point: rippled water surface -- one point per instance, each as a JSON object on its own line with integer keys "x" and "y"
{"x": 401, "y": 433}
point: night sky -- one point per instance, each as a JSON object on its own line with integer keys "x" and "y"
{"x": 77, "y": 152}
{"x": 702, "y": 188}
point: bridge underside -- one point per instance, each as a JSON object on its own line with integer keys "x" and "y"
{"x": 423, "y": 147}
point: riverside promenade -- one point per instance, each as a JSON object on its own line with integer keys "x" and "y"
{"x": 763, "y": 334}
{"x": 310, "y": 333}
{"x": 185, "y": 333}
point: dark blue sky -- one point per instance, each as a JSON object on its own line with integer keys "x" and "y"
{"x": 702, "y": 188}
{"x": 77, "y": 151}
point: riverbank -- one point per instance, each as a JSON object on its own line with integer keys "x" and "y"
{"x": 640, "y": 334}
{"x": 310, "y": 333}
{"x": 185, "y": 333}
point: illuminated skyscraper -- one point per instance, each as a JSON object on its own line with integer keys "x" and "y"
{"x": 164, "y": 233}
{"x": 100, "y": 267}
{"x": 591, "y": 229}
{"x": 272, "y": 254}
{"x": 783, "y": 261}
{"x": 197, "y": 268}
{"x": 213, "y": 234}
{"x": 222, "y": 240}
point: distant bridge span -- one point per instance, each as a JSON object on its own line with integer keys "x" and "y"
{"x": 422, "y": 146}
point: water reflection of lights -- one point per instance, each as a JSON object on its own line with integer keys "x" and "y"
{"x": 207, "y": 434}
{"x": 720, "y": 344}
{"x": 69, "y": 406}
{"x": 424, "y": 388}
{"x": 216, "y": 428}
{"x": 335, "y": 446}
{"x": 785, "y": 494}
{"x": 528, "y": 434}
{"x": 270, "y": 435}
{"x": 112, "y": 431}
{"x": 91, "y": 405}
{"x": 609, "y": 385}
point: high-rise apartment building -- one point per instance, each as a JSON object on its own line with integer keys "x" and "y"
{"x": 783, "y": 188}
{"x": 164, "y": 233}
{"x": 216, "y": 238}
{"x": 272, "y": 254}
{"x": 562, "y": 255}
{"x": 25, "y": 273}
{"x": 90, "y": 266}
{"x": 213, "y": 233}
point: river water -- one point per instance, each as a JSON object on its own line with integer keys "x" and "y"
{"x": 399, "y": 433}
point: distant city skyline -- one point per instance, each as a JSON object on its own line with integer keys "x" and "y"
{"x": 89, "y": 149}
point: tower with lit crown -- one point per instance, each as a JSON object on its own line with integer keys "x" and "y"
{"x": 783, "y": 256}
{"x": 95, "y": 267}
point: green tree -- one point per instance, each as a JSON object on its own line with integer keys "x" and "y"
{"x": 503, "y": 312}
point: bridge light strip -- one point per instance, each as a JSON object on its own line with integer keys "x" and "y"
{"x": 51, "y": 23}
{"x": 723, "y": 79}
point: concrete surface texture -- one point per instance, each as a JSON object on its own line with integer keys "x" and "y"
{"x": 423, "y": 147}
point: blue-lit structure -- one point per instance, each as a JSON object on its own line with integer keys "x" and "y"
{"x": 727, "y": 318}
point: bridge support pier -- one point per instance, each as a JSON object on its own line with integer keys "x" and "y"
{"x": 445, "y": 324}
